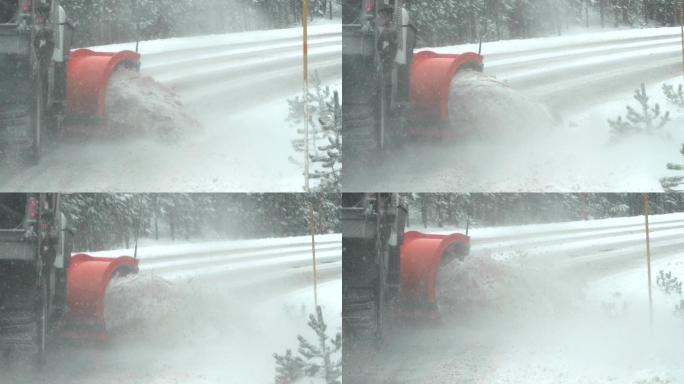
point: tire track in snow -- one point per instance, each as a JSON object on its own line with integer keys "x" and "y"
{"x": 567, "y": 229}
{"x": 585, "y": 235}
{"x": 233, "y": 49}
{"x": 572, "y": 78}
{"x": 244, "y": 75}
{"x": 599, "y": 44}
{"x": 604, "y": 245}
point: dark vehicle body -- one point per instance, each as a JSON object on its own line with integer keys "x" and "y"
{"x": 34, "y": 256}
{"x": 33, "y": 55}
{"x": 372, "y": 229}
{"x": 377, "y": 50}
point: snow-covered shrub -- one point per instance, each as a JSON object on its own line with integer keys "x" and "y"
{"x": 616, "y": 306}
{"x": 671, "y": 285}
{"x": 672, "y": 182}
{"x": 645, "y": 119}
{"x": 676, "y": 97}
{"x": 619, "y": 210}
{"x": 679, "y": 309}
{"x": 668, "y": 283}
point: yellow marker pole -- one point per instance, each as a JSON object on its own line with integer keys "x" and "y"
{"x": 312, "y": 229}
{"x": 305, "y": 24}
{"x": 648, "y": 260}
{"x": 681, "y": 26}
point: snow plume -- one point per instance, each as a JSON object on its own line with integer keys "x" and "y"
{"x": 520, "y": 136}
{"x": 545, "y": 324}
{"x": 482, "y": 106}
{"x": 147, "y": 305}
{"x": 482, "y": 285}
{"x": 137, "y": 103}
{"x": 142, "y": 299}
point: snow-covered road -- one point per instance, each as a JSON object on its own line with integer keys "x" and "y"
{"x": 558, "y": 303}
{"x": 236, "y": 86}
{"x": 584, "y": 79}
{"x": 230, "y": 305}
{"x": 575, "y": 75}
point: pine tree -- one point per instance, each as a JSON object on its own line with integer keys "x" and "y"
{"x": 103, "y": 221}
{"x": 102, "y": 22}
{"x": 324, "y": 354}
{"x": 325, "y": 126}
{"x": 675, "y": 97}
{"x": 329, "y": 156}
{"x": 319, "y": 360}
{"x": 649, "y": 120}
{"x": 289, "y": 368}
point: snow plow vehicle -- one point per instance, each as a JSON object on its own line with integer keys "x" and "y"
{"x": 45, "y": 88}
{"x": 46, "y": 292}
{"x": 388, "y": 271}
{"x": 392, "y": 94}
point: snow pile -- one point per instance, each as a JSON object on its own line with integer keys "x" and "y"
{"x": 482, "y": 106}
{"x": 142, "y": 300}
{"x": 137, "y": 103}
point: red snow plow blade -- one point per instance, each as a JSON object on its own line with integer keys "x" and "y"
{"x": 87, "y": 280}
{"x": 431, "y": 77}
{"x": 421, "y": 257}
{"x": 88, "y": 77}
